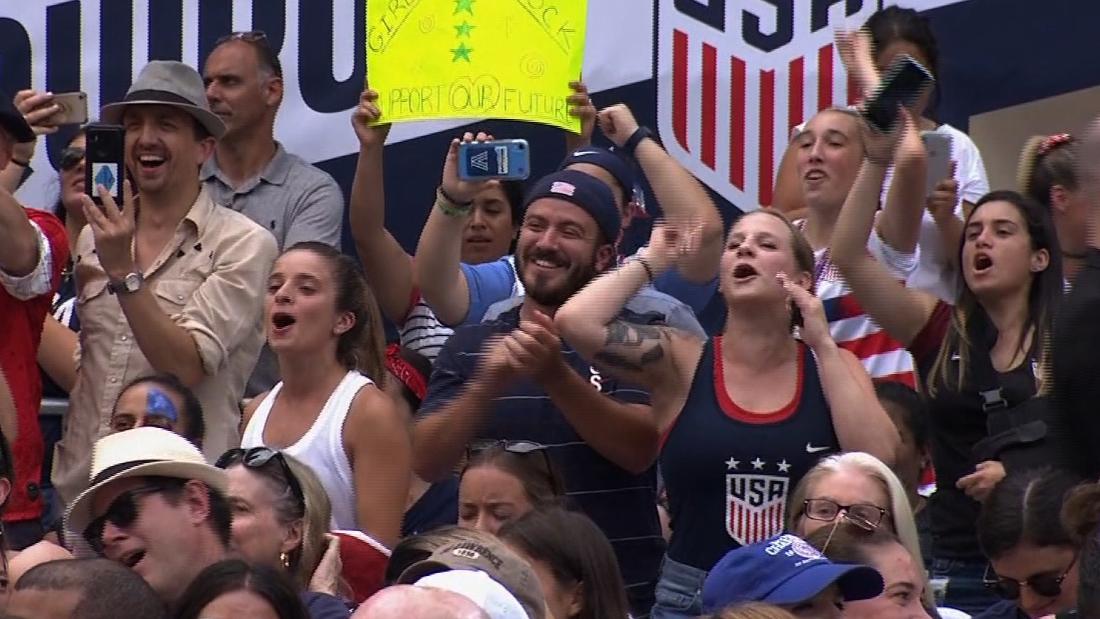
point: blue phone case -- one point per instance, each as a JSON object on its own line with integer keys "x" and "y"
{"x": 499, "y": 159}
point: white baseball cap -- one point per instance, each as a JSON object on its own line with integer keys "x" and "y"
{"x": 488, "y": 594}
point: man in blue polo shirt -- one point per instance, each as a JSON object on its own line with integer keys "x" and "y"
{"x": 512, "y": 378}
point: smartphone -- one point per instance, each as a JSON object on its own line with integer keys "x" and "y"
{"x": 903, "y": 83}
{"x": 74, "y": 108}
{"x": 938, "y": 147}
{"x": 105, "y": 160}
{"x": 498, "y": 159}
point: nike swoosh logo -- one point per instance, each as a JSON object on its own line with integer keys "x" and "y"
{"x": 811, "y": 449}
{"x": 582, "y": 153}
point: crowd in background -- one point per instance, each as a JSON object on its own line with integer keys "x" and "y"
{"x": 894, "y": 420}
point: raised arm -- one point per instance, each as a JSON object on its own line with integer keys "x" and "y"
{"x": 439, "y": 252}
{"x": 581, "y": 106}
{"x": 899, "y": 223}
{"x": 377, "y": 440}
{"x": 640, "y": 354}
{"x": 19, "y": 240}
{"x": 385, "y": 263}
{"x": 859, "y": 420}
{"x": 36, "y": 108}
{"x": 683, "y": 200}
{"x": 9, "y": 418}
{"x": 901, "y": 311}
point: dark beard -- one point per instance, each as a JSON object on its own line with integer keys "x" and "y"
{"x": 576, "y": 278}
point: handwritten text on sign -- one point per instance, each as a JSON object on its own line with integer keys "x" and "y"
{"x": 475, "y": 58}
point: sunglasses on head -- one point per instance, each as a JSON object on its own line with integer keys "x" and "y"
{"x": 258, "y": 39}
{"x": 258, "y": 458}
{"x": 520, "y": 448}
{"x": 122, "y": 512}
{"x": 1047, "y": 585}
{"x": 70, "y": 158}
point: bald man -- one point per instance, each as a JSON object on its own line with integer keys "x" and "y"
{"x": 404, "y": 601}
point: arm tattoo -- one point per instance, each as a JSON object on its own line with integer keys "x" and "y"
{"x": 622, "y": 336}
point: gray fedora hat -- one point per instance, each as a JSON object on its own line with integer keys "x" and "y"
{"x": 168, "y": 82}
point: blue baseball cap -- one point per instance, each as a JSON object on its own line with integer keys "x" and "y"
{"x": 587, "y": 192}
{"x": 783, "y": 570}
{"x": 615, "y": 164}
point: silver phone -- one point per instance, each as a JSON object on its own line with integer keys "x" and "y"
{"x": 938, "y": 147}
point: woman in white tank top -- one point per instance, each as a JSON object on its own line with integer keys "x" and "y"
{"x": 324, "y": 327}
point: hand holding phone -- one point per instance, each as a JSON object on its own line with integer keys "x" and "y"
{"x": 494, "y": 159}
{"x": 72, "y": 109}
{"x": 105, "y": 161}
{"x": 906, "y": 80}
{"x": 938, "y": 148}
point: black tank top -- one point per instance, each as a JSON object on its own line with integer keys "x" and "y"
{"x": 729, "y": 472}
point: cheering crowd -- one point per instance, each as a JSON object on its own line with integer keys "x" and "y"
{"x": 893, "y": 421}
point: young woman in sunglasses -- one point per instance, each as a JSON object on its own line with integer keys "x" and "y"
{"x": 1033, "y": 558}
{"x": 504, "y": 480}
{"x": 325, "y": 329}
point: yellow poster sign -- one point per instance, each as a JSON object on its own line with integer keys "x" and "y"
{"x": 509, "y": 59}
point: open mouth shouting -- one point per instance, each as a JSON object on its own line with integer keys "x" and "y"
{"x": 982, "y": 263}
{"x": 744, "y": 272}
{"x": 281, "y": 323}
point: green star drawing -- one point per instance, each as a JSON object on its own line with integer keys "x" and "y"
{"x": 464, "y": 5}
{"x": 462, "y": 52}
{"x": 463, "y": 29}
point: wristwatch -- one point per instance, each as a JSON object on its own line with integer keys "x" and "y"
{"x": 130, "y": 283}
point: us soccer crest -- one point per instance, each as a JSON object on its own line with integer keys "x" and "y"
{"x": 756, "y": 506}
{"x": 734, "y": 78}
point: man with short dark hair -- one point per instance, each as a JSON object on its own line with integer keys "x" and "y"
{"x": 33, "y": 252}
{"x": 251, "y": 173}
{"x": 84, "y": 588}
{"x": 175, "y": 288}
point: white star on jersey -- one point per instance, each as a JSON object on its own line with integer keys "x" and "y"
{"x": 784, "y": 466}
{"x": 732, "y": 464}
{"x": 758, "y": 464}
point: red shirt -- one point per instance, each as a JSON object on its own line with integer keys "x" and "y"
{"x": 21, "y": 332}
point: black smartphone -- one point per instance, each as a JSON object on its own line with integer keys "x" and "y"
{"x": 903, "y": 83}
{"x": 105, "y": 161}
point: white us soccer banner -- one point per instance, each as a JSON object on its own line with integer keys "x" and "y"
{"x": 731, "y": 75}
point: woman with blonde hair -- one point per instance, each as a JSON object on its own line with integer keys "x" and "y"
{"x": 751, "y": 611}
{"x": 281, "y": 516}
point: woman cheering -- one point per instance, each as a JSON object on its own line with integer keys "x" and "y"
{"x": 745, "y": 414}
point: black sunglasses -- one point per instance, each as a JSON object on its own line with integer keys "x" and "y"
{"x": 520, "y": 448}
{"x": 70, "y": 158}
{"x": 258, "y": 458}
{"x": 1046, "y": 585}
{"x": 122, "y": 512}
{"x": 258, "y": 40}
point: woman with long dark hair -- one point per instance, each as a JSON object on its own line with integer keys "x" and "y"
{"x": 324, "y": 327}
{"x": 982, "y": 361}
{"x": 748, "y": 412}
{"x": 504, "y": 480}
{"x": 232, "y": 589}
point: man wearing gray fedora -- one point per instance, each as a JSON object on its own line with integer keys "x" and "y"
{"x": 167, "y": 282}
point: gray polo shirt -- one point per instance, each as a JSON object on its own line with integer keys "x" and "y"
{"x": 292, "y": 198}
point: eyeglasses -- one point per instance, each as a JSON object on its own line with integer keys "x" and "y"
{"x": 70, "y": 158}
{"x": 521, "y": 448}
{"x": 122, "y": 512}
{"x": 1046, "y": 585}
{"x": 258, "y": 40}
{"x": 864, "y": 516}
{"x": 257, "y": 458}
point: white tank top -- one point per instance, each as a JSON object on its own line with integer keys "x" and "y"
{"x": 321, "y": 448}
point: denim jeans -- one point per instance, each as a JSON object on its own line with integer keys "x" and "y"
{"x": 964, "y": 587}
{"x": 679, "y": 591}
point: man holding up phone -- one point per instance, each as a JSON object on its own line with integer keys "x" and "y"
{"x": 33, "y": 250}
{"x": 177, "y": 288}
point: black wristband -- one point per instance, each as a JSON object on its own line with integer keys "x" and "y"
{"x": 461, "y": 205}
{"x": 632, "y": 142}
{"x": 645, "y": 264}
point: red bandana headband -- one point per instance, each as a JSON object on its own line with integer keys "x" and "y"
{"x": 405, "y": 372}
{"x": 1051, "y": 142}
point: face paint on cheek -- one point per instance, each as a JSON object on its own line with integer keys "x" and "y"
{"x": 158, "y": 404}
